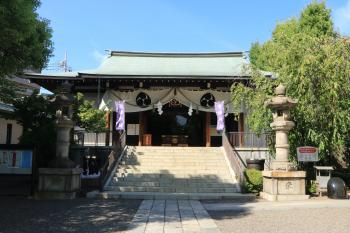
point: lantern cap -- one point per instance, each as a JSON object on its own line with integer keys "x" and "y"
{"x": 280, "y": 90}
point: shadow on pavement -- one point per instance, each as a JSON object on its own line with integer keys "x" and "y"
{"x": 79, "y": 215}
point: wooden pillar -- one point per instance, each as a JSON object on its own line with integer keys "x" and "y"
{"x": 142, "y": 121}
{"x": 207, "y": 129}
{"x": 115, "y": 135}
{"x": 108, "y": 123}
{"x": 241, "y": 129}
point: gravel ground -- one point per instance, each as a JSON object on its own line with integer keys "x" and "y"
{"x": 323, "y": 220}
{"x": 79, "y": 215}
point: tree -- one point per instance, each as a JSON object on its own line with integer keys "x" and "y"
{"x": 87, "y": 116}
{"x": 25, "y": 41}
{"x": 37, "y": 116}
{"x": 313, "y": 62}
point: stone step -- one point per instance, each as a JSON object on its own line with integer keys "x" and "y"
{"x": 149, "y": 148}
{"x": 174, "y": 167}
{"x": 180, "y": 163}
{"x": 173, "y": 189}
{"x": 176, "y": 158}
{"x": 199, "y": 176}
{"x": 172, "y": 153}
{"x": 159, "y": 170}
{"x": 157, "y": 178}
{"x": 167, "y": 196}
{"x": 172, "y": 171}
{"x": 166, "y": 154}
{"x": 169, "y": 184}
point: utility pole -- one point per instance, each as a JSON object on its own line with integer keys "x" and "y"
{"x": 64, "y": 64}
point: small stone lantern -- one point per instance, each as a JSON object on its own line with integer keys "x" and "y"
{"x": 282, "y": 182}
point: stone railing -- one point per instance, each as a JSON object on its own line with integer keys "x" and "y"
{"x": 113, "y": 159}
{"x": 236, "y": 162}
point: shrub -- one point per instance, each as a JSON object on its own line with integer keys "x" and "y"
{"x": 37, "y": 116}
{"x": 311, "y": 187}
{"x": 253, "y": 181}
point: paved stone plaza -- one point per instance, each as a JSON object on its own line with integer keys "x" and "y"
{"x": 19, "y": 215}
{"x": 172, "y": 216}
{"x": 321, "y": 216}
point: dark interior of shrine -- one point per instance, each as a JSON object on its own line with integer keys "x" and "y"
{"x": 175, "y": 127}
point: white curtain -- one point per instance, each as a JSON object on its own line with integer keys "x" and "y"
{"x": 184, "y": 95}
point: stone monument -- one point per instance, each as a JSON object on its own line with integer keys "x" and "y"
{"x": 61, "y": 180}
{"x": 283, "y": 182}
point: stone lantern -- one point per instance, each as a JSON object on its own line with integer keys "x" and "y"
{"x": 282, "y": 124}
{"x": 282, "y": 182}
{"x": 64, "y": 124}
{"x": 61, "y": 180}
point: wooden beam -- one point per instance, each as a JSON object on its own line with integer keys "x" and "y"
{"x": 207, "y": 129}
{"x": 141, "y": 127}
{"x": 108, "y": 123}
{"x": 115, "y": 134}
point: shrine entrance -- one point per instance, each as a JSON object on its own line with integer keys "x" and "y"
{"x": 175, "y": 127}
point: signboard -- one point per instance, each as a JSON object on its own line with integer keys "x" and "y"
{"x": 307, "y": 154}
{"x": 16, "y": 161}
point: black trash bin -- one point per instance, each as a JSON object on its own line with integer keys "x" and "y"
{"x": 257, "y": 164}
{"x": 336, "y": 188}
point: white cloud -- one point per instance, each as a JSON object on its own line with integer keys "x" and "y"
{"x": 98, "y": 56}
{"x": 342, "y": 18}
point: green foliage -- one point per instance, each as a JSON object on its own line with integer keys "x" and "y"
{"x": 87, "y": 116}
{"x": 37, "y": 116}
{"x": 25, "y": 40}
{"x": 311, "y": 187}
{"x": 253, "y": 180}
{"x": 314, "y": 63}
{"x": 316, "y": 20}
{"x": 7, "y": 90}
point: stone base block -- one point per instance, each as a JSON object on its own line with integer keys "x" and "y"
{"x": 284, "y": 185}
{"x": 58, "y": 183}
{"x": 282, "y": 166}
{"x": 272, "y": 197}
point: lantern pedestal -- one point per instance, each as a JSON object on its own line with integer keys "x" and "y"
{"x": 284, "y": 186}
{"x": 58, "y": 183}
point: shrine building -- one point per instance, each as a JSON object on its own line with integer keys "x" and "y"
{"x": 168, "y": 98}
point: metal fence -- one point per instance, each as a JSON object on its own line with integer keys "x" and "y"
{"x": 94, "y": 139}
{"x": 249, "y": 140}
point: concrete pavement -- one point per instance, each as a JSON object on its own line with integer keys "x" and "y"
{"x": 283, "y": 205}
{"x": 172, "y": 216}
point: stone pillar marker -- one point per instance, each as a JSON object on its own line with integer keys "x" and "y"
{"x": 283, "y": 182}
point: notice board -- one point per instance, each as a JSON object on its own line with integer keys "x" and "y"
{"x": 14, "y": 161}
{"x": 16, "y": 169}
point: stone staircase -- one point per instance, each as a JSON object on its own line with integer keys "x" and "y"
{"x": 173, "y": 172}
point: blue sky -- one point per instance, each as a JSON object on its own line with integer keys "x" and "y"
{"x": 86, "y": 28}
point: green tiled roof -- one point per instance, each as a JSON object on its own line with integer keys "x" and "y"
{"x": 172, "y": 64}
{"x": 229, "y": 64}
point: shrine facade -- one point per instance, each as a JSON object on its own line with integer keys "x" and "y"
{"x": 169, "y": 98}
